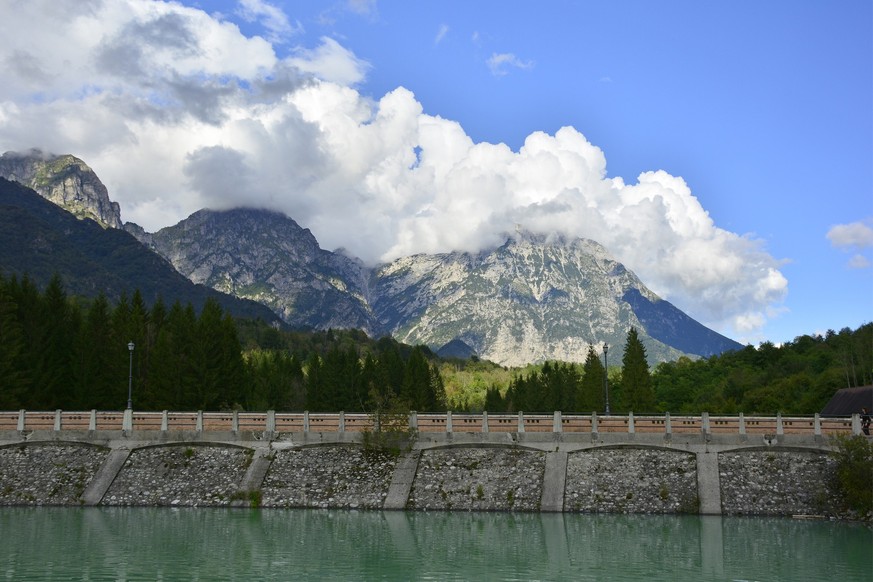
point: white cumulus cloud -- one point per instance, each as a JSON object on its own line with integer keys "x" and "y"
{"x": 177, "y": 110}
{"x": 855, "y": 234}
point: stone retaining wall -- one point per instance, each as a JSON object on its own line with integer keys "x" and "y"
{"x": 629, "y": 480}
{"x": 179, "y": 475}
{"x": 775, "y": 483}
{"x": 625, "y": 479}
{"x": 47, "y": 474}
{"x": 347, "y": 477}
{"x": 474, "y": 479}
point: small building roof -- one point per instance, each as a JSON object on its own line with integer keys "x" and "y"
{"x": 849, "y": 401}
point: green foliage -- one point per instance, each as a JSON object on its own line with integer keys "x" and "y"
{"x": 854, "y": 472}
{"x": 798, "y": 377}
{"x": 636, "y": 381}
{"x": 554, "y": 387}
{"x": 592, "y": 394}
{"x": 64, "y": 352}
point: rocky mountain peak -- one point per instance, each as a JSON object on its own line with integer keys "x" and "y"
{"x": 65, "y": 180}
{"x": 535, "y": 297}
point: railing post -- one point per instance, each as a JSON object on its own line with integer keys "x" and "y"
{"x": 631, "y": 429}
{"x": 21, "y": 416}
{"x": 58, "y": 420}
{"x": 305, "y": 421}
{"x": 165, "y": 421}
{"x": 817, "y": 425}
{"x": 271, "y": 421}
{"x": 742, "y": 425}
{"x": 449, "y": 422}
{"x": 705, "y": 422}
{"x": 780, "y": 430}
{"x": 234, "y": 422}
{"x": 593, "y": 423}
{"x": 856, "y": 424}
{"x": 199, "y": 427}
{"x": 520, "y": 421}
{"x": 127, "y": 420}
{"x": 413, "y": 420}
{"x": 557, "y": 423}
{"x": 484, "y": 421}
{"x": 342, "y": 422}
{"x": 668, "y": 427}
{"x": 92, "y": 422}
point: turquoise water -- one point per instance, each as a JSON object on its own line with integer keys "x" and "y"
{"x": 250, "y": 544}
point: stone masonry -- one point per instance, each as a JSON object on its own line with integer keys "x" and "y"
{"x": 626, "y": 480}
{"x": 47, "y": 474}
{"x": 180, "y": 475}
{"x": 475, "y": 479}
{"x": 771, "y": 483}
{"x": 466, "y": 477}
{"x": 347, "y": 477}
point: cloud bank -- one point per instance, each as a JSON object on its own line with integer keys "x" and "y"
{"x": 177, "y": 110}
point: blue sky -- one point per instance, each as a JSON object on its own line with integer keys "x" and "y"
{"x": 369, "y": 122}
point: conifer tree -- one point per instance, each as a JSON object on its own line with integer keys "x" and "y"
{"x": 12, "y": 372}
{"x": 314, "y": 384}
{"x": 591, "y": 394}
{"x": 59, "y": 326}
{"x": 95, "y": 384}
{"x": 636, "y": 380}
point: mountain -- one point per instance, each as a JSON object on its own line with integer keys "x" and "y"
{"x": 267, "y": 257}
{"x": 534, "y": 298}
{"x": 39, "y": 239}
{"x": 531, "y": 299}
{"x": 65, "y": 180}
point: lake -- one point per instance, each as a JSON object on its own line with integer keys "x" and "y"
{"x": 48, "y": 543}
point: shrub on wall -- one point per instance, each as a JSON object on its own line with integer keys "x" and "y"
{"x": 854, "y": 473}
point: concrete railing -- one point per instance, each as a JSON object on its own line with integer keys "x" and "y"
{"x": 296, "y": 422}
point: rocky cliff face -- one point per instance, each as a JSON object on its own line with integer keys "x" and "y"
{"x": 532, "y": 299}
{"x": 267, "y": 257}
{"x": 65, "y": 180}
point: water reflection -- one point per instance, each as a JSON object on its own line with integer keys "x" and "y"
{"x": 211, "y": 544}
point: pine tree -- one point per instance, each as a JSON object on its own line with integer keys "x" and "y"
{"x": 12, "y": 367}
{"x": 636, "y": 380}
{"x": 95, "y": 384}
{"x": 59, "y": 326}
{"x": 591, "y": 392}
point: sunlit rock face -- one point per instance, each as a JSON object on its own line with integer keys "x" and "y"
{"x": 65, "y": 180}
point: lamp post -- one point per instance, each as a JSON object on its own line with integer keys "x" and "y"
{"x": 606, "y": 375}
{"x": 130, "y": 347}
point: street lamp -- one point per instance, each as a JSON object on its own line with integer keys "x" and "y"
{"x": 130, "y": 377}
{"x": 606, "y": 375}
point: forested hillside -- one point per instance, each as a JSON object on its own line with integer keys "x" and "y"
{"x": 71, "y": 353}
{"x": 56, "y": 352}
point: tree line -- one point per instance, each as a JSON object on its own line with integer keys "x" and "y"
{"x": 569, "y": 387}
{"x": 798, "y": 377}
{"x": 70, "y": 353}
{"x": 58, "y": 352}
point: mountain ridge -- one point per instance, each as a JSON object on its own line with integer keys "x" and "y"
{"x": 39, "y": 239}
{"x": 532, "y": 298}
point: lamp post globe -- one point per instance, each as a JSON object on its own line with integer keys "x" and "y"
{"x": 130, "y": 347}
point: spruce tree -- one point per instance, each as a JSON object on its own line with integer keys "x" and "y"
{"x": 591, "y": 392}
{"x": 12, "y": 368}
{"x": 636, "y": 380}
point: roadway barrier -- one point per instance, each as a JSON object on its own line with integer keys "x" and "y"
{"x": 448, "y": 422}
